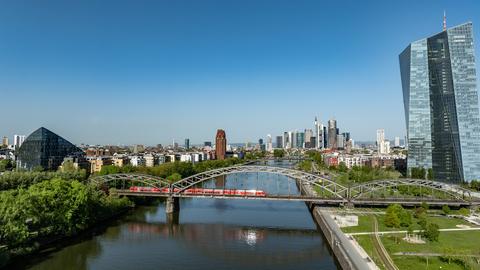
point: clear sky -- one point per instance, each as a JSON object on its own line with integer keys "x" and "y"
{"x": 124, "y": 72}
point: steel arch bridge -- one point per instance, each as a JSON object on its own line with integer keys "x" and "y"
{"x": 338, "y": 192}
{"x": 367, "y": 188}
{"x": 330, "y": 186}
{"x": 123, "y": 178}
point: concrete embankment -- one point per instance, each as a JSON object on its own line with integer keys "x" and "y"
{"x": 346, "y": 253}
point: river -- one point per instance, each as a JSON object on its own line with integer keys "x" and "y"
{"x": 207, "y": 234}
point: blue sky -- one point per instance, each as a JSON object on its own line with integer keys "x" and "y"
{"x": 124, "y": 72}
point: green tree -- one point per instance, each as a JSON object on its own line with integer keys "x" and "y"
{"x": 5, "y": 164}
{"x": 405, "y": 218}
{"x": 464, "y": 211}
{"x": 430, "y": 175}
{"x": 278, "y": 153}
{"x": 174, "y": 177}
{"x": 446, "y": 209}
{"x": 432, "y": 232}
{"x": 38, "y": 168}
{"x": 425, "y": 206}
{"x": 392, "y": 220}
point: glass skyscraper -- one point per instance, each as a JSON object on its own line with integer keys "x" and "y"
{"x": 441, "y": 105}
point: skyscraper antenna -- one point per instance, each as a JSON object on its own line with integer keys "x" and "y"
{"x": 444, "y": 21}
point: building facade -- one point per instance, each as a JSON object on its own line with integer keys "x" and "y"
{"x": 332, "y": 134}
{"x": 441, "y": 104}
{"x": 45, "y": 149}
{"x": 220, "y": 144}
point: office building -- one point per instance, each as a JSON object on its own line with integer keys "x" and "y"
{"x": 5, "y": 141}
{"x": 220, "y": 144}
{"x": 300, "y": 139}
{"x": 46, "y": 149}
{"x": 319, "y": 134}
{"x": 18, "y": 140}
{"x": 332, "y": 134}
{"x": 279, "y": 141}
{"x": 269, "y": 146}
{"x": 383, "y": 147}
{"x": 441, "y": 104}
{"x": 187, "y": 144}
{"x": 397, "y": 142}
{"x": 309, "y": 139}
{"x": 207, "y": 144}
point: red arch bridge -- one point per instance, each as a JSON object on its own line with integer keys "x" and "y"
{"x": 315, "y": 188}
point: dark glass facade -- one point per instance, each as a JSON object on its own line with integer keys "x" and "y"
{"x": 46, "y": 149}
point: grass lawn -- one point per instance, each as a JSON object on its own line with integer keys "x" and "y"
{"x": 463, "y": 241}
{"x": 365, "y": 224}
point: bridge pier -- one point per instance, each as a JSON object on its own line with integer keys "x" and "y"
{"x": 172, "y": 205}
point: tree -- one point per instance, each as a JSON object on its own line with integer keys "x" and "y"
{"x": 392, "y": 220}
{"x": 405, "y": 218}
{"x": 174, "y": 177}
{"x": 37, "y": 168}
{"x": 424, "y": 205}
{"x": 430, "y": 174}
{"x": 446, "y": 209}
{"x": 5, "y": 164}
{"x": 432, "y": 232}
{"x": 464, "y": 211}
{"x": 278, "y": 153}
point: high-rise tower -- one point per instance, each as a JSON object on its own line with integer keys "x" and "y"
{"x": 332, "y": 134}
{"x": 220, "y": 144}
{"x": 441, "y": 104}
{"x": 320, "y": 136}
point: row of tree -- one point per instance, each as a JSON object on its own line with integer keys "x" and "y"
{"x": 49, "y": 209}
{"x": 396, "y": 216}
{"x": 14, "y": 179}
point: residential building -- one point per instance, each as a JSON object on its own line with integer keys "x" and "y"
{"x": 137, "y": 161}
{"x": 97, "y": 163}
{"x": 441, "y": 104}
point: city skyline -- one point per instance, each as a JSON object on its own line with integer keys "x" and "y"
{"x": 136, "y": 92}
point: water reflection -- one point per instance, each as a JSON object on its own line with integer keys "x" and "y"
{"x": 206, "y": 234}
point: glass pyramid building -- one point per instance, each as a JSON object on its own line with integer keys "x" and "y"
{"x": 46, "y": 149}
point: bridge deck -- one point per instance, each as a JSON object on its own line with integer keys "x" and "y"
{"x": 303, "y": 198}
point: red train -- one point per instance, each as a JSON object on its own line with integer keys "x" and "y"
{"x": 204, "y": 191}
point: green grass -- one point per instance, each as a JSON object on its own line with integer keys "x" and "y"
{"x": 365, "y": 224}
{"x": 463, "y": 241}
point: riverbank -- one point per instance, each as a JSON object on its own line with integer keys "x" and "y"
{"x": 347, "y": 254}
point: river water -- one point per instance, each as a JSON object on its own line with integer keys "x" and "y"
{"x": 206, "y": 234}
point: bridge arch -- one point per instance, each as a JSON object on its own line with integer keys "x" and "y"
{"x": 332, "y": 187}
{"x": 363, "y": 189}
{"x": 123, "y": 178}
